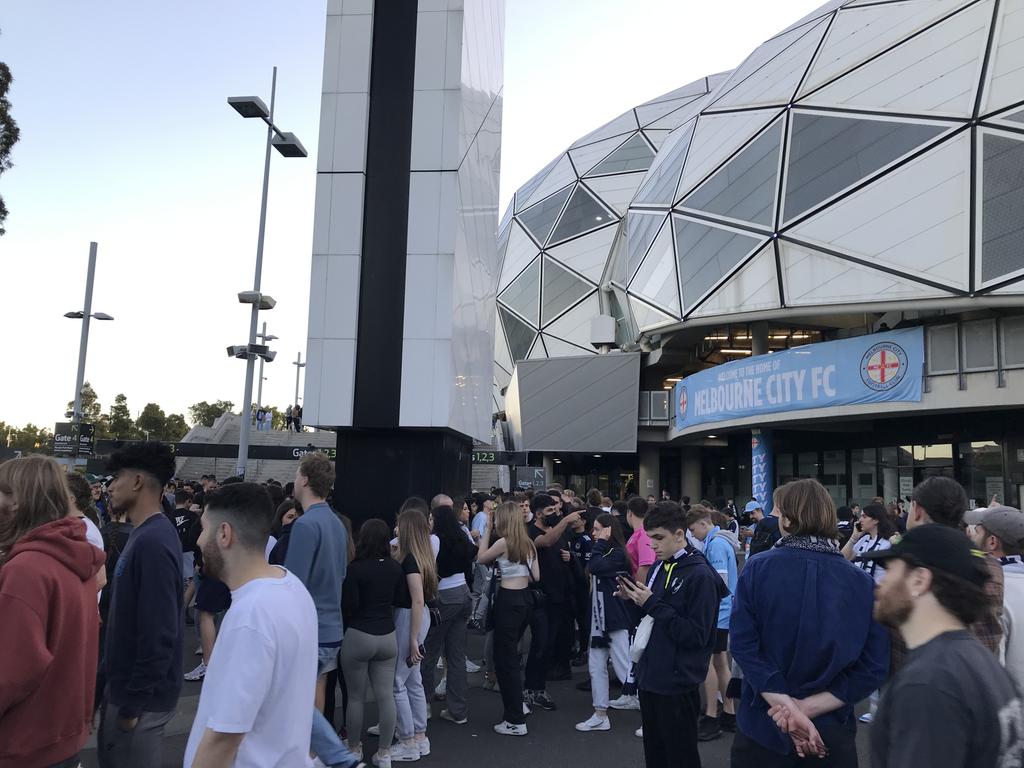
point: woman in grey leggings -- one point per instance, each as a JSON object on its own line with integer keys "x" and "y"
{"x": 374, "y": 586}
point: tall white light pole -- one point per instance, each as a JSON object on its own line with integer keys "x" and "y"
{"x": 289, "y": 146}
{"x": 299, "y": 365}
{"x": 84, "y": 314}
{"x": 264, "y": 338}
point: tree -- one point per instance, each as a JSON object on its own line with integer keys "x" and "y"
{"x": 90, "y": 405}
{"x": 122, "y": 427}
{"x": 206, "y": 413}
{"x": 9, "y": 133}
{"x": 175, "y": 428}
{"x": 152, "y": 422}
{"x": 32, "y": 439}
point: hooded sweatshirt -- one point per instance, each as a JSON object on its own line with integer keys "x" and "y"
{"x": 50, "y": 634}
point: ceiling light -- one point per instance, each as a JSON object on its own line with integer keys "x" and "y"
{"x": 728, "y": 351}
{"x": 779, "y": 336}
{"x": 712, "y": 437}
{"x": 597, "y": 455}
{"x": 801, "y": 336}
{"x": 742, "y": 337}
{"x": 716, "y": 337}
{"x": 674, "y": 378}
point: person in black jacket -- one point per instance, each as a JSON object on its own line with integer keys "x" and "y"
{"x": 288, "y": 511}
{"x": 681, "y": 600}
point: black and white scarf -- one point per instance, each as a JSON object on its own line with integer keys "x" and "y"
{"x": 812, "y": 543}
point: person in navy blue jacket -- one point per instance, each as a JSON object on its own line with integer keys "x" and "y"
{"x": 681, "y": 597}
{"x": 802, "y": 632}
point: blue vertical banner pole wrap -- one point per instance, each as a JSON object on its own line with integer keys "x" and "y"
{"x": 762, "y": 468}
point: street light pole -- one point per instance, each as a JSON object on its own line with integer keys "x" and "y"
{"x": 83, "y": 345}
{"x": 299, "y": 365}
{"x": 265, "y": 338}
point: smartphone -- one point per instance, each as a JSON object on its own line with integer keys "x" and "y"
{"x": 408, "y": 659}
{"x": 625, "y": 576}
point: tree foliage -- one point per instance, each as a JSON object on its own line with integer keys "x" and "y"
{"x": 90, "y": 405}
{"x": 9, "y": 133}
{"x": 120, "y": 423}
{"x": 206, "y": 413}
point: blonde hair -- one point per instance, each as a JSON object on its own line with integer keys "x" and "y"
{"x": 41, "y": 493}
{"x": 508, "y": 521}
{"x": 807, "y": 508}
{"x": 414, "y": 539}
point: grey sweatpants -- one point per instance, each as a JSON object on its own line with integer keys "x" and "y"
{"x": 370, "y": 659}
{"x": 141, "y": 747}
{"x": 450, "y": 634}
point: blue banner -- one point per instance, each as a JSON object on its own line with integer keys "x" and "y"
{"x": 881, "y": 367}
{"x": 762, "y": 467}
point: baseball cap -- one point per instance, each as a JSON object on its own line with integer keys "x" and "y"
{"x": 1003, "y": 522}
{"x": 751, "y": 506}
{"x": 938, "y": 548}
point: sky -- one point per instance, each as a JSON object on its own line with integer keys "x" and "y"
{"x": 127, "y": 140}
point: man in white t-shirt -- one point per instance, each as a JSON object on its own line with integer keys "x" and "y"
{"x": 254, "y": 710}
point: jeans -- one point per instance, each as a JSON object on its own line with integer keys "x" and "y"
{"x": 670, "y": 729}
{"x": 410, "y": 698}
{"x": 140, "y": 747}
{"x": 840, "y": 740}
{"x": 512, "y": 611}
{"x": 536, "y": 661}
{"x": 618, "y": 650}
{"x": 455, "y": 605}
{"x": 325, "y": 743}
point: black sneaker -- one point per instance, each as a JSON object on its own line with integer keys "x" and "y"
{"x": 727, "y": 722}
{"x": 708, "y": 729}
{"x": 580, "y": 661}
{"x": 541, "y": 700}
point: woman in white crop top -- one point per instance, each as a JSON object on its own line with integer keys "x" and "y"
{"x": 517, "y": 563}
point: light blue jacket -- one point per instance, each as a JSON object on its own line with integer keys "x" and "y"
{"x": 318, "y": 555}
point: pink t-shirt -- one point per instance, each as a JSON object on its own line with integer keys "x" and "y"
{"x": 639, "y": 549}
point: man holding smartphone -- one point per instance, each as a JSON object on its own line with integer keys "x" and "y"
{"x": 681, "y": 597}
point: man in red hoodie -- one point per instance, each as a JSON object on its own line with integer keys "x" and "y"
{"x": 50, "y": 625}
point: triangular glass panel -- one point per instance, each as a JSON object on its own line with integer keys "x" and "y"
{"x": 574, "y": 325}
{"x": 633, "y": 155}
{"x": 615, "y": 191}
{"x": 812, "y": 278}
{"x": 562, "y": 348}
{"x": 656, "y": 136}
{"x": 523, "y": 295}
{"x": 707, "y": 254}
{"x": 562, "y": 289}
{"x": 1002, "y": 205}
{"x": 716, "y": 139}
{"x": 503, "y": 235}
{"x": 582, "y": 213}
{"x": 587, "y": 255}
{"x": 659, "y": 186}
{"x": 521, "y": 251}
{"x": 1003, "y": 88}
{"x": 540, "y": 217}
{"x": 754, "y": 288}
{"x": 502, "y": 358}
{"x": 935, "y": 72}
{"x": 507, "y": 217}
{"x": 745, "y": 187}
{"x": 624, "y": 123}
{"x": 585, "y": 158}
{"x": 538, "y": 352}
{"x": 616, "y": 271}
{"x": 562, "y": 174}
{"x": 759, "y": 59}
{"x": 776, "y": 81}
{"x": 524, "y": 192}
{"x": 649, "y": 113}
{"x": 645, "y": 316}
{"x": 656, "y": 279}
{"x": 828, "y": 153}
{"x": 520, "y": 336}
{"x": 674, "y": 119}
{"x": 857, "y": 34}
{"x": 641, "y": 229}
{"x": 1016, "y": 117}
{"x": 915, "y": 219}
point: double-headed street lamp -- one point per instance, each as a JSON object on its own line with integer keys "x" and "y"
{"x": 289, "y": 146}
{"x": 265, "y": 338}
{"x": 85, "y": 315}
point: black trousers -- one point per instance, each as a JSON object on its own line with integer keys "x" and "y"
{"x": 670, "y": 729}
{"x": 512, "y": 611}
{"x": 536, "y": 662}
{"x": 841, "y": 742}
{"x": 560, "y": 635}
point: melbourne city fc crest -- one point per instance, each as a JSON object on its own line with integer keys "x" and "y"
{"x": 883, "y": 366}
{"x": 682, "y": 403}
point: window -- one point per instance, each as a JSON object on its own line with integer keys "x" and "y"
{"x": 979, "y": 340}
{"x": 981, "y": 471}
{"x": 1002, "y": 207}
{"x": 1013, "y": 341}
{"x": 942, "y": 357}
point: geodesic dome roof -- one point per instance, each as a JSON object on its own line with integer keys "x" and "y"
{"x": 872, "y": 152}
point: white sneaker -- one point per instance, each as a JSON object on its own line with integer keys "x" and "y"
{"x": 471, "y": 667}
{"x": 595, "y": 723}
{"x": 639, "y": 732}
{"x": 423, "y": 747}
{"x": 382, "y": 761}
{"x": 505, "y": 728}
{"x": 526, "y": 710}
{"x": 196, "y": 674}
{"x": 374, "y": 730}
{"x": 867, "y": 717}
{"x": 440, "y": 662}
{"x": 404, "y": 753}
{"x": 199, "y": 650}
{"x": 446, "y": 715}
{"x": 625, "y": 702}
{"x": 442, "y": 688}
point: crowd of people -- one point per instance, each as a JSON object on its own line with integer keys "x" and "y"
{"x": 262, "y": 419}
{"x": 772, "y": 623}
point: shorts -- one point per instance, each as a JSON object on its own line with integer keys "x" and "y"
{"x": 327, "y": 659}
{"x": 188, "y": 566}
{"x": 721, "y": 641}
{"x": 212, "y": 595}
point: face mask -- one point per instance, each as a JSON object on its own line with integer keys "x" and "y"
{"x": 551, "y": 520}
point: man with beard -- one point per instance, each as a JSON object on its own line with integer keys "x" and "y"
{"x": 254, "y": 709}
{"x": 951, "y": 705}
{"x": 144, "y": 627}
